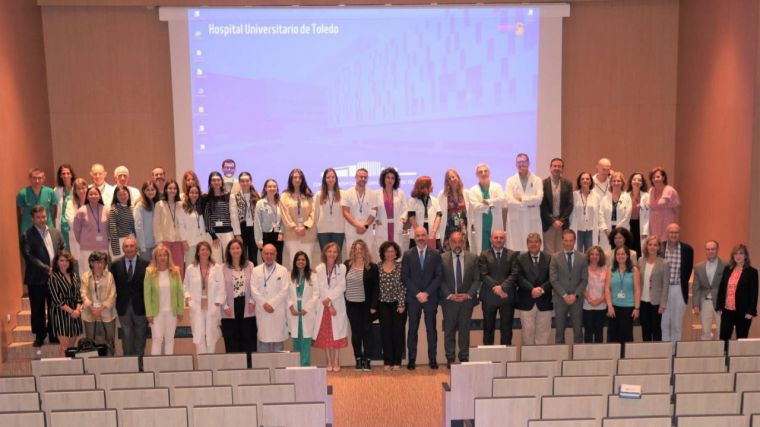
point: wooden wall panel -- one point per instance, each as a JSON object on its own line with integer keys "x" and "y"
{"x": 24, "y": 137}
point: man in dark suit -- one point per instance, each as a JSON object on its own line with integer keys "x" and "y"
{"x": 459, "y": 290}
{"x": 498, "y": 293}
{"x": 534, "y": 295}
{"x": 41, "y": 244}
{"x": 568, "y": 274}
{"x": 556, "y": 206}
{"x": 680, "y": 257}
{"x": 421, "y": 274}
{"x": 707, "y": 276}
{"x": 129, "y": 275}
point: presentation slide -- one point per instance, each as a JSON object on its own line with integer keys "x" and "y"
{"x": 420, "y": 89}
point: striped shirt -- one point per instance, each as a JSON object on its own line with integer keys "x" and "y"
{"x": 216, "y": 212}
{"x": 121, "y": 223}
{"x": 355, "y": 285}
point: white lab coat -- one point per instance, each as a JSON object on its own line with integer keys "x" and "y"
{"x": 205, "y": 323}
{"x": 625, "y": 204}
{"x": 478, "y": 208}
{"x": 433, "y": 209}
{"x": 309, "y": 301}
{"x": 523, "y": 217}
{"x": 272, "y": 326}
{"x": 643, "y": 215}
{"x": 192, "y": 228}
{"x": 335, "y": 291}
{"x": 399, "y": 213}
{"x": 592, "y": 211}
{"x": 443, "y": 202}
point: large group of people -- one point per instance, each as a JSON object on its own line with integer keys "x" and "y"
{"x": 604, "y": 250}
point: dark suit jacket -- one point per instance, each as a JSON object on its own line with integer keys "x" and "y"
{"x": 470, "y": 275}
{"x": 565, "y": 204}
{"x": 564, "y": 281}
{"x": 129, "y": 291}
{"x": 746, "y": 291}
{"x": 419, "y": 280}
{"x": 502, "y": 273}
{"x": 371, "y": 278}
{"x": 36, "y": 257}
{"x": 529, "y": 277}
{"x": 687, "y": 265}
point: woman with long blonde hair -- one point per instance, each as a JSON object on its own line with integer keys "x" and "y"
{"x": 362, "y": 293}
{"x": 164, "y": 300}
{"x": 455, "y": 204}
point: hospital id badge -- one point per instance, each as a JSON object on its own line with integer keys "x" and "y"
{"x": 98, "y": 238}
{"x": 96, "y": 304}
{"x": 218, "y": 224}
{"x": 621, "y": 295}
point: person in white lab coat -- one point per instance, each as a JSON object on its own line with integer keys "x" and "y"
{"x": 455, "y": 208}
{"x": 602, "y": 178}
{"x": 190, "y": 224}
{"x": 424, "y": 211}
{"x": 639, "y": 210}
{"x": 523, "y": 194}
{"x": 331, "y": 325}
{"x": 269, "y": 287}
{"x": 204, "y": 294}
{"x": 359, "y": 209}
{"x": 486, "y": 203}
{"x": 391, "y": 210}
{"x": 302, "y": 302}
{"x": 586, "y": 219}
{"x": 616, "y": 209}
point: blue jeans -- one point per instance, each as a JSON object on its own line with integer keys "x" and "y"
{"x": 585, "y": 240}
{"x": 325, "y": 238}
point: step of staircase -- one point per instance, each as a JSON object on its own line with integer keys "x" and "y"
{"x": 25, "y": 350}
{"x": 25, "y": 304}
{"x": 24, "y": 318}
{"x": 23, "y": 334}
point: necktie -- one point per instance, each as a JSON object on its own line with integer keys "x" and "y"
{"x": 535, "y": 260}
{"x": 130, "y": 270}
{"x": 498, "y": 256}
{"x": 569, "y": 260}
{"x": 458, "y": 276}
{"x": 422, "y": 259}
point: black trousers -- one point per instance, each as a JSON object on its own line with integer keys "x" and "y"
{"x": 239, "y": 333}
{"x": 39, "y": 304}
{"x": 506, "y": 317}
{"x": 271, "y": 238}
{"x": 392, "y": 325}
{"x": 621, "y": 326}
{"x": 360, "y": 320}
{"x": 636, "y": 232}
{"x": 593, "y": 325}
{"x": 457, "y": 317}
{"x": 651, "y": 328}
{"x": 416, "y": 309}
{"x": 250, "y": 249}
{"x": 732, "y": 319}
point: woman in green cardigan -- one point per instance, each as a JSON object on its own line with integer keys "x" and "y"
{"x": 164, "y": 300}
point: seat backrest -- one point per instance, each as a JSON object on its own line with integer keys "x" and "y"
{"x": 301, "y": 414}
{"x": 583, "y": 385}
{"x": 489, "y": 411}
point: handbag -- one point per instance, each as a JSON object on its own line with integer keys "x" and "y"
{"x": 92, "y": 347}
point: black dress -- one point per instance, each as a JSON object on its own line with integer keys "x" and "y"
{"x": 65, "y": 292}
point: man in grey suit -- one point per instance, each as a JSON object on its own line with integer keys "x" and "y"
{"x": 41, "y": 244}
{"x": 568, "y": 274}
{"x": 459, "y": 288}
{"x": 498, "y": 290}
{"x": 707, "y": 276}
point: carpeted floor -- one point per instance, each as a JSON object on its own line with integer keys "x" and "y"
{"x": 379, "y": 398}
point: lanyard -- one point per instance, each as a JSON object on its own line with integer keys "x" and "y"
{"x": 247, "y": 202}
{"x": 584, "y": 201}
{"x": 425, "y": 202}
{"x": 329, "y": 275}
{"x": 331, "y": 200}
{"x": 95, "y": 291}
{"x": 97, "y": 217}
{"x": 204, "y": 278}
{"x": 267, "y": 276}
{"x": 173, "y": 212}
{"x": 361, "y": 201}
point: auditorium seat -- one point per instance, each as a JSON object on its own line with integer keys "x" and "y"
{"x": 111, "y": 365}
{"x": 638, "y": 422}
{"x": 648, "y": 350}
{"x": 538, "y": 353}
{"x": 562, "y": 407}
{"x": 126, "y": 380}
{"x": 88, "y": 417}
{"x": 264, "y": 393}
{"x": 490, "y": 411}
{"x": 215, "y": 362}
{"x": 583, "y": 385}
{"x": 715, "y": 403}
{"x": 645, "y": 366}
{"x": 713, "y": 421}
{"x": 572, "y": 422}
{"x": 747, "y": 381}
{"x": 589, "y": 367}
{"x": 137, "y": 398}
{"x": 708, "y": 382}
{"x": 273, "y": 361}
{"x": 183, "y": 379}
{"x": 596, "y": 351}
{"x": 522, "y": 386}
{"x": 650, "y": 404}
{"x": 751, "y": 402}
{"x": 744, "y": 347}
{"x": 493, "y": 353}
{"x": 744, "y": 364}
{"x": 469, "y": 381}
{"x": 311, "y": 385}
{"x": 168, "y": 363}
{"x": 650, "y": 383}
{"x": 190, "y": 397}
{"x": 534, "y": 369}
{"x": 20, "y": 401}
{"x": 65, "y": 382}
{"x": 22, "y": 419}
{"x": 236, "y": 377}
{"x": 695, "y": 365}
{"x": 17, "y": 384}
{"x": 296, "y": 414}
{"x": 699, "y": 348}
{"x": 153, "y": 417}
{"x": 240, "y": 415}
{"x": 57, "y": 367}
{"x": 72, "y": 400}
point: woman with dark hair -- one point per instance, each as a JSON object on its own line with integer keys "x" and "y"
{"x": 623, "y": 295}
{"x": 66, "y": 298}
{"x": 616, "y": 210}
{"x": 190, "y": 224}
{"x": 639, "y": 210}
{"x": 143, "y": 213}
{"x": 331, "y": 324}
{"x": 64, "y": 190}
{"x": 331, "y": 226}
{"x": 91, "y": 225}
{"x": 297, "y": 206}
{"x": 594, "y": 304}
{"x": 737, "y": 295}
{"x": 242, "y": 205}
{"x": 391, "y": 208}
{"x": 216, "y": 213}
{"x": 664, "y": 204}
{"x": 655, "y": 274}
{"x": 98, "y": 292}
{"x": 302, "y": 303}
{"x": 620, "y": 237}
{"x": 268, "y": 225}
{"x": 164, "y": 300}
{"x": 392, "y": 305}
{"x": 77, "y": 200}
{"x": 238, "y": 321}
{"x": 166, "y": 224}
{"x": 121, "y": 221}
{"x": 189, "y": 178}
{"x": 455, "y": 207}
{"x": 424, "y": 211}
{"x": 204, "y": 295}
{"x": 586, "y": 219}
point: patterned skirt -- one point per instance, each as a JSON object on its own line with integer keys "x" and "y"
{"x": 325, "y": 338}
